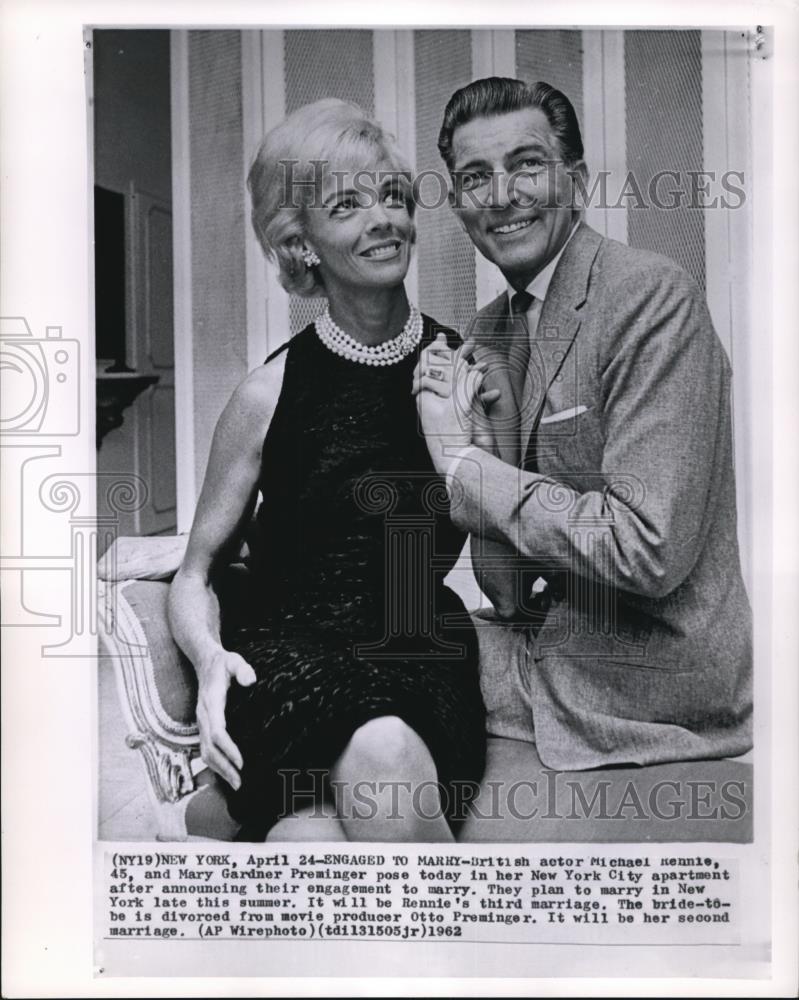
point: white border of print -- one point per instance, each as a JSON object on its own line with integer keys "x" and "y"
{"x": 48, "y": 745}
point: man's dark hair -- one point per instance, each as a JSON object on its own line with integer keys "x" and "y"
{"x": 497, "y": 95}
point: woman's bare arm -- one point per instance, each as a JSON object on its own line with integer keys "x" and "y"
{"x": 225, "y": 505}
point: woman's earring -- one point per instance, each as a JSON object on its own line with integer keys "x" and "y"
{"x": 310, "y": 258}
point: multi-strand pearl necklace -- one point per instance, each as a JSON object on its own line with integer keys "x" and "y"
{"x": 390, "y": 352}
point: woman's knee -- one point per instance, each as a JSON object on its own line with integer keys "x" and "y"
{"x": 311, "y": 824}
{"x": 385, "y": 744}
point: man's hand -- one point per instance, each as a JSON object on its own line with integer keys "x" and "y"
{"x": 215, "y": 675}
{"x": 449, "y": 400}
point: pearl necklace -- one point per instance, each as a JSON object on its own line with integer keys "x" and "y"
{"x": 390, "y": 352}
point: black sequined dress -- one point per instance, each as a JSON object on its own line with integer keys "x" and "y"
{"x": 351, "y": 618}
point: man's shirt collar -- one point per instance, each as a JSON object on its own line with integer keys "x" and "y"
{"x": 539, "y": 286}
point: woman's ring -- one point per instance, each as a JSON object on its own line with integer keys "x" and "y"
{"x": 436, "y": 373}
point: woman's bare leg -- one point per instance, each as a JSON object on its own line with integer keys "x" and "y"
{"x": 309, "y": 824}
{"x": 385, "y": 785}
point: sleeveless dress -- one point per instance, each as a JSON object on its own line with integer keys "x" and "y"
{"x": 350, "y": 619}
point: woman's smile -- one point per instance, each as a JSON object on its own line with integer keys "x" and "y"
{"x": 388, "y": 249}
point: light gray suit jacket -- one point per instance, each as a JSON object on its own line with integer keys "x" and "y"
{"x": 624, "y": 502}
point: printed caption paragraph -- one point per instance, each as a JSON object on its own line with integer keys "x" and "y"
{"x": 658, "y": 898}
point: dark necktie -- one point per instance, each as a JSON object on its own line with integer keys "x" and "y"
{"x": 520, "y": 303}
{"x": 533, "y": 604}
{"x": 519, "y": 344}
{"x": 524, "y": 380}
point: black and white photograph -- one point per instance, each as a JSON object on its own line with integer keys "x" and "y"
{"x": 405, "y": 504}
{"x": 460, "y": 366}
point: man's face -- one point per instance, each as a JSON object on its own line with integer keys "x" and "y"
{"x": 512, "y": 192}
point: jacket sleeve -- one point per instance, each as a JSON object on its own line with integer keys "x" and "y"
{"x": 664, "y": 401}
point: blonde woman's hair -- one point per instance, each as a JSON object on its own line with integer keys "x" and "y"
{"x": 286, "y": 175}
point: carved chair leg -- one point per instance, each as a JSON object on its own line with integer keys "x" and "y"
{"x": 170, "y": 783}
{"x": 170, "y": 818}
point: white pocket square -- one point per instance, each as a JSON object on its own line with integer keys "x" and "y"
{"x": 573, "y": 411}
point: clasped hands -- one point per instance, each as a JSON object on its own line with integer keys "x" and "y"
{"x": 451, "y": 401}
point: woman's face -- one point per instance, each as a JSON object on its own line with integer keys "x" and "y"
{"x": 361, "y": 230}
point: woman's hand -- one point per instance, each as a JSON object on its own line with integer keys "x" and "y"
{"x": 215, "y": 676}
{"x": 450, "y": 401}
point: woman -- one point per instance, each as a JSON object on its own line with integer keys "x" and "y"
{"x": 354, "y": 659}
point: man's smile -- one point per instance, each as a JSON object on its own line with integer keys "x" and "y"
{"x": 511, "y": 227}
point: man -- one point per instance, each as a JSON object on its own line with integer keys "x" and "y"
{"x": 599, "y": 489}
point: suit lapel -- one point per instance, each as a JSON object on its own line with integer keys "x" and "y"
{"x": 558, "y": 326}
{"x": 503, "y": 344}
{"x": 547, "y": 356}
